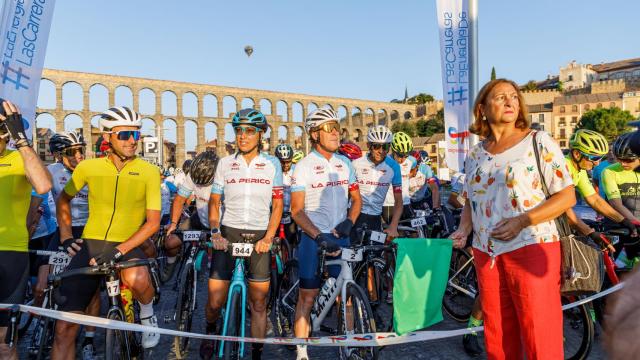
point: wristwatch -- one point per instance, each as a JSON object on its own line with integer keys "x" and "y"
{"x": 215, "y": 231}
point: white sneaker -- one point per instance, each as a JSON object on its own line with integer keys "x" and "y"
{"x": 150, "y": 339}
{"x": 302, "y": 353}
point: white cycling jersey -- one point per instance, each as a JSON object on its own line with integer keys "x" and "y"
{"x": 286, "y": 187}
{"x": 405, "y": 168}
{"x": 202, "y": 194}
{"x": 326, "y": 185}
{"x": 419, "y": 184}
{"x": 375, "y": 181}
{"x": 248, "y": 190}
{"x": 165, "y": 195}
{"x": 79, "y": 204}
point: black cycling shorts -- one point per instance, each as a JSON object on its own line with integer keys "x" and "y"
{"x": 373, "y": 223}
{"x": 223, "y": 263}
{"x": 75, "y": 293}
{"x": 14, "y": 274}
{"x": 387, "y": 213}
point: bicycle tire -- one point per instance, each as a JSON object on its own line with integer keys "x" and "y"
{"x": 577, "y": 323}
{"x": 456, "y": 303}
{"x": 232, "y": 348}
{"x": 25, "y": 319}
{"x": 184, "y": 314}
{"x": 285, "y": 306}
{"x": 381, "y": 275}
{"x": 363, "y": 322}
{"x": 117, "y": 346}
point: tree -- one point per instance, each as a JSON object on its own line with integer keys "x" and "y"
{"x": 421, "y": 98}
{"x": 609, "y": 122}
{"x": 493, "y": 73}
{"x": 405, "y": 126}
{"x": 560, "y": 86}
{"x": 531, "y": 85}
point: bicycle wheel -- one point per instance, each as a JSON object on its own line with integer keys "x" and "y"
{"x": 184, "y": 312}
{"x": 357, "y": 320}
{"x": 577, "y": 330}
{"x": 117, "y": 345}
{"x": 41, "y": 338}
{"x": 232, "y": 348}
{"x": 286, "y": 300}
{"x": 462, "y": 287}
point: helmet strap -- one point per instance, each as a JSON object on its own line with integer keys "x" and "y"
{"x": 118, "y": 154}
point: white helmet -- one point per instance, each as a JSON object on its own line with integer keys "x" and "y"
{"x": 119, "y": 116}
{"x": 379, "y": 134}
{"x": 318, "y": 117}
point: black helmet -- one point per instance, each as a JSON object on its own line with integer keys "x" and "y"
{"x": 61, "y": 141}
{"x": 284, "y": 152}
{"x": 203, "y": 167}
{"x": 186, "y": 166}
{"x": 621, "y": 147}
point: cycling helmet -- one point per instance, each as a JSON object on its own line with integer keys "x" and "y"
{"x": 284, "y": 152}
{"x": 318, "y": 117}
{"x": 61, "y": 141}
{"x": 402, "y": 143}
{"x": 379, "y": 134}
{"x": 203, "y": 167}
{"x": 589, "y": 142}
{"x": 297, "y": 156}
{"x": 119, "y": 116}
{"x": 249, "y": 117}
{"x": 621, "y": 147}
{"x": 186, "y": 165}
{"x": 424, "y": 157}
{"x": 350, "y": 150}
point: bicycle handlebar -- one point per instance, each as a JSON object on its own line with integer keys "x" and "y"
{"x": 100, "y": 269}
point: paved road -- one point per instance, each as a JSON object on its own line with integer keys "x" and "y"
{"x": 450, "y": 348}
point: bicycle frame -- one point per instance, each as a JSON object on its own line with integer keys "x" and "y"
{"x": 237, "y": 284}
{"x": 323, "y": 301}
{"x": 459, "y": 288}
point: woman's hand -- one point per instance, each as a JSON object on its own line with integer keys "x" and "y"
{"x": 459, "y": 238}
{"x": 507, "y": 229}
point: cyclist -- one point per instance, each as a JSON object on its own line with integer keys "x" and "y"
{"x": 621, "y": 184}
{"x": 587, "y": 148}
{"x": 124, "y": 211}
{"x": 422, "y": 178}
{"x": 350, "y": 150}
{"x": 322, "y": 185}
{"x": 20, "y": 170}
{"x": 251, "y": 183}
{"x": 456, "y": 200}
{"x": 401, "y": 146}
{"x": 297, "y": 156}
{"x": 198, "y": 183}
{"x": 284, "y": 153}
{"x": 376, "y": 174}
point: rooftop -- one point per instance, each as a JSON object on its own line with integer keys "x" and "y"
{"x": 617, "y": 65}
{"x": 587, "y": 98}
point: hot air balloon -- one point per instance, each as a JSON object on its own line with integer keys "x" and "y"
{"x": 248, "y": 50}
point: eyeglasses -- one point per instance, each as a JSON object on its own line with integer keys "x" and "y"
{"x": 384, "y": 147}
{"x": 73, "y": 151}
{"x": 627, "y": 160}
{"x": 248, "y": 130}
{"x": 328, "y": 127}
{"x": 401, "y": 155}
{"x": 593, "y": 158}
{"x": 124, "y": 135}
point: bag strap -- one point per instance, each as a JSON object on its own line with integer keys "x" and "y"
{"x": 561, "y": 221}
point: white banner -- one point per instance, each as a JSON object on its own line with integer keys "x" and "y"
{"x": 24, "y": 34}
{"x": 454, "y": 24}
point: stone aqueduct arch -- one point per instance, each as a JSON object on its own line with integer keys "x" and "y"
{"x": 86, "y": 80}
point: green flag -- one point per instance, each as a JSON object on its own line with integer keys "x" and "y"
{"x": 422, "y": 270}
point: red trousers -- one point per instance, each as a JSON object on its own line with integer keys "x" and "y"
{"x": 521, "y": 302}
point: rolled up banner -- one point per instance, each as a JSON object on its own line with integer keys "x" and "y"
{"x": 454, "y": 24}
{"x": 25, "y": 28}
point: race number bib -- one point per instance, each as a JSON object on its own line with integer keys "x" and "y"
{"x": 113, "y": 288}
{"x": 286, "y": 219}
{"x": 378, "y": 237}
{"x": 59, "y": 261}
{"x": 352, "y": 255}
{"x": 191, "y": 236}
{"x": 418, "y": 222}
{"x": 241, "y": 249}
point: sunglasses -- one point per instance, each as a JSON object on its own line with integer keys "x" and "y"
{"x": 401, "y": 155}
{"x": 384, "y": 147}
{"x": 248, "y": 130}
{"x": 627, "y": 160}
{"x": 328, "y": 127}
{"x": 593, "y": 158}
{"x": 73, "y": 151}
{"x": 124, "y": 135}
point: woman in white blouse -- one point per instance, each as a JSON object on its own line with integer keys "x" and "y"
{"x": 515, "y": 242}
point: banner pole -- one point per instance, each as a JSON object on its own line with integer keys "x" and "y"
{"x": 473, "y": 59}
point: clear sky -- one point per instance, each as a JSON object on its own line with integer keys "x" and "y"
{"x": 368, "y": 49}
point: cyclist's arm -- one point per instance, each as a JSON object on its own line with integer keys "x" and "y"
{"x": 63, "y": 214}
{"x": 603, "y": 207}
{"x": 176, "y": 208}
{"x": 35, "y": 171}
{"x": 33, "y": 216}
{"x": 435, "y": 194}
{"x": 150, "y": 227}
{"x": 214, "y": 210}
{"x": 356, "y": 204}
{"x": 619, "y": 206}
{"x": 579, "y": 225}
{"x": 397, "y": 209}
{"x": 453, "y": 201}
{"x": 277, "y": 206}
{"x": 300, "y": 217}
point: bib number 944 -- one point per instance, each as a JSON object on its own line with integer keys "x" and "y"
{"x": 241, "y": 249}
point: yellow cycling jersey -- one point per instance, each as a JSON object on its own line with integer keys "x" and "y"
{"x": 15, "y": 196}
{"x": 118, "y": 200}
{"x": 580, "y": 179}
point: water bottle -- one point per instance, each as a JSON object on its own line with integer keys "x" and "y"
{"x": 127, "y": 302}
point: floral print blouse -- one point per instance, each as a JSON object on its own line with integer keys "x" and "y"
{"x": 505, "y": 185}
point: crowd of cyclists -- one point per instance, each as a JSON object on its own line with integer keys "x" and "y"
{"x": 115, "y": 208}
